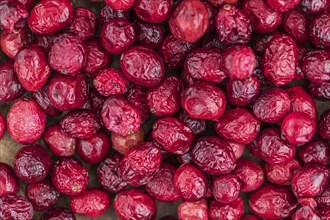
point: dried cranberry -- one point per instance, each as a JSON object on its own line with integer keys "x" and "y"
{"x": 233, "y": 25}
{"x": 32, "y": 163}
{"x": 324, "y": 125}
{"x": 45, "y": 41}
{"x": 9, "y": 183}
{"x": 213, "y": 155}
{"x": 120, "y": 5}
{"x": 226, "y": 188}
{"x": 193, "y": 210}
{"x": 154, "y": 11}
{"x": 83, "y": 23}
{"x": 149, "y": 35}
{"x": 324, "y": 213}
{"x": 296, "y": 25}
{"x": 69, "y": 176}
{"x": 315, "y": 151}
{"x": 203, "y": 64}
{"x": 186, "y": 79}
{"x": 310, "y": 180}
{"x": 190, "y": 182}
{"x": 312, "y": 7}
{"x": 123, "y": 143}
{"x": 316, "y": 66}
{"x": 41, "y": 97}
{"x": 58, "y": 214}
{"x": 250, "y": 174}
{"x": 142, "y": 66}
{"x": 282, "y": 6}
{"x": 135, "y": 204}
{"x": 319, "y": 31}
{"x": 281, "y": 174}
{"x": 238, "y": 149}
{"x": 107, "y": 13}
{"x": 164, "y": 99}
{"x": 218, "y": 3}
{"x": 320, "y": 91}
{"x": 15, "y": 207}
{"x": 42, "y": 195}
{"x": 137, "y": 96}
{"x": 196, "y": 126}
{"x": 58, "y": 142}
{"x": 234, "y": 210}
{"x": 305, "y": 212}
{"x": 50, "y": 16}
{"x": 91, "y": 202}
{"x": 324, "y": 199}
{"x": 140, "y": 164}
{"x": 12, "y": 15}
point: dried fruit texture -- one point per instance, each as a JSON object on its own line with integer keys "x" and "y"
{"x": 15, "y": 207}
{"x": 281, "y": 174}
{"x": 135, "y": 204}
{"x": 324, "y": 125}
{"x": 273, "y": 202}
{"x": 122, "y": 144}
{"x": 213, "y": 155}
{"x": 234, "y": 210}
{"x": 204, "y": 100}
{"x": 148, "y": 34}
{"x": 31, "y": 67}
{"x": 313, "y": 7}
{"x": 91, "y": 202}
{"x": 184, "y": 158}
{"x": 272, "y": 105}
{"x": 310, "y": 180}
{"x": 250, "y": 174}
{"x": 190, "y": 182}
{"x": 238, "y": 149}
{"x": 263, "y": 19}
{"x": 58, "y": 214}
{"x": 140, "y": 164}
{"x": 69, "y": 176}
{"x": 282, "y": 6}
{"x": 137, "y": 96}
{"x": 164, "y": 99}
{"x": 9, "y": 183}
{"x": 238, "y": 125}
{"x": 279, "y": 66}
{"x": 120, "y": 5}
{"x": 173, "y": 135}
{"x": 50, "y": 16}
{"x": 305, "y": 212}
{"x": 120, "y": 116}
{"x": 226, "y": 188}
{"x": 10, "y": 88}
{"x": 203, "y": 64}
{"x": 319, "y": 31}
{"x": 58, "y": 142}
{"x": 296, "y": 25}
{"x": 324, "y": 199}
{"x": 12, "y": 15}
{"x": 107, "y": 13}
{"x": 42, "y": 195}
{"x": 83, "y": 23}
{"x": 233, "y": 25}
{"x": 41, "y": 97}
{"x": 67, "y": 54}
{"x": 315, "y": 151}
{"x": 108, "y": 176}
{"x": 189, "y": 21}
{"x": 316, "y": 66}
{"x": 196, "y": 126}
{"x": 32, "y": 163}
{"x": 193, "y": 210}
{"x": 324, "y": 213}
{"x": 26, "y": 121}
{"x": 142, "y": 66}
{"x": 153, "y": 11}
{"x": 319, "y": 91}
{"x": 161, "y": 181}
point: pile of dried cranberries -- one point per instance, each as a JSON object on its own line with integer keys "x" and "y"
{"x": 210, "y": 103}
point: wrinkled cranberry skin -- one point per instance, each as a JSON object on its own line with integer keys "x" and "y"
{"x": 107, "y": 13}
{"x": 173, "y": 135}
{"x": 26, "y": 121}
{"x": 316, "y": 66}
{"x": 135, "y": 204}
{"x": 41, "y": 97}
{"x": 263, "y": 19}
{"x": 149, "y": 35}
{"x": 273, "y": 202}
{"x": 203, "y": 64}
{"x": 195, "y": 125}
{"x": 163, "y": 180}
{"x": 193, "y": 210}
{"x": 296, "y": 25}
{"x": 305, "y": 212}
{"x": 69, "y": 176}
{"x": 250, "y": 174}
{"x": 32, "y": 163}
{"x": 238, "y": 125}
{"x": 238, "y": 149}
{"x": 226, "y": 188}
{"x": 50, "y": 16}
{"x": 58, "y": 214}
{"x": 67, "y": 55}
{"x": 272, "y": 105}
{"x": 15, "y": 207}
{"x": 280, "y": 66}
{"x": 142, "y": 66}
{"x": 123, "y": 143}
{"x": 42, "y": 195}
{"x": 153, "y": 11}
{"x": 233, "y": 25}
{"x": 319, "y": 31}
{"x": 80, "y": 123}
{"x": 190, "y": 182}
{"x": 204, "y": 100}
{"x": 319, "y": 91}
{"x": 9, "y": 183}
{"x": 117, "y": 35}
{"x": 234, "y": 210}
{"x": 324, "y": 199}
{"x": 45, "y": 41}
{"x": 3, "y": 126}
{"x": 281, "y": 174}
{"x": 213, "y": 155}
{"x": 189, "y": 21}
{"x": 140, "y": 164}
{"x": 31, "y": 67}
{"x": 324, "y": 213}
{"x": 120, "y": 116}
{"x": 312, "y": 7}
{"x": 120, "y": 5}
{"x": 315, "y": 151}
{"x": 11, "y": 15}
{"x": 108, "y": 176}
{"x": 324, "y": 125}
{"x": 310, "y": 180}
{"x": 137, "y": 96}
{"x": 282, "y": 6}
{"x": 91, "y": 202}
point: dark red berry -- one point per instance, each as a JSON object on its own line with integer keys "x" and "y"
{"x": 319, "y": 91}
{"x": 41, "y": 97}
{"x": 316, "y": 66}
{"x": 197, "y": 210}
{"x": 137, "y": 96}
{"x": 15, "y": 207}
{"x": 218, "y": 3}
{"x": 196, "y": 126}
{"x": 312, "y": 7}
{"x": 226, "y": 188}
{"x": 238, "y": 149}
{"x": 281, "y": 174}
{"x": 149, "y": 35}
{"x": 9, "y": 183}
{"x": 296, "y": 25}
{"x": 324, "y": 199}
{"x": 184, "y": 158}
{"x": 154, "y": 11}
{"x": 319, "y": 31}
{"x": 233, "y": 210}
{"x": 123, "y": 143}
{"x": 324, "y": 125}
{"x": 282, "y": 6}
{"x": 58, "y": 214}
{"x": 107, "y": 13}
{"x": 58, "y": 142}
{"x": 305, "y": 212}
{"x": 120, "y": 5}
{"x": 315, "y": 151}
{"x": 12, "y": 15}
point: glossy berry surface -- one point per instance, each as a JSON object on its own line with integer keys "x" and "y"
{"x": 58, "y": 214}
{"x": 296, "y": 25}
{"x": 15, "y": 207}
{"x": 323, "y": 127}
{"x": 196, "y": 126}
{"x": 123, "y": 143}
{"x": 153, "y": 11}
{"x": 282, "y": 6}
{"x": 315, "y": 66}
{"x": 312, "y": 7}
{"x": 281, "y": 174}
{"x": 315, "y": 151}
{"x": 193, "y": 210}
{"x": 120, "y": 5}
{"x": 234, "y": 210}
{"x": 226, "y": 188}
{"x": 58, "y": 142}
{"x": 12, "y": 15}
{"x": 9, "y": 181}
{"x": 319, "y": 31}
{"x": 41, "y": 97}
{"x": 148, "y": 34}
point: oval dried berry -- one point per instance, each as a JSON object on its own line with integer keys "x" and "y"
{"x": 315, "y": 151}
{"x": 15, "y": 207}
{"x": 58, "y": 142}
{"x": 197, "y": 210}
{"x": 58, "y": 214}
{"x": 226, "y": 188}
{"x": 233, "y": 210}
{"x": 281, "y": 174}
{"x": 316, "y": 66}
{"x": 9, "y": 183}
{"x": 153, "y": 11}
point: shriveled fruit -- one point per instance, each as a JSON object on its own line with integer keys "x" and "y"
{"x": 58, "y": 142}
{"x": 226, "y": 188}
{"x": 12, "y": 15}
{"x": 315, "y": 151}
{"x": 193, "y": 210}
{"x": 324, "y": 125}
{"x": 15, "y": 207}
{"x": 9, "y": 183}
{"x": 319, "y": 31}
{"x": 153, "y": 11}
{"x": 316, "y": 66}
{"x": 122, "y": 144}
{"x": 281, "y": 174}
{"x": 42, "y": 98}
{"x": 58, "y": 214}
{"x": 282, "y": 6}
{"x": 233, "y": 210}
